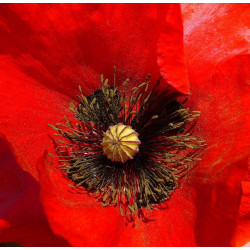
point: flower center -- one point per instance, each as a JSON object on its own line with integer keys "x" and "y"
{"x": 100, "y": 152}
{"x": 120, "y": 143}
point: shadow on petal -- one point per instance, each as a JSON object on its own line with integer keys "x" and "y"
{"x": 22, "y": 218}
{"x": 218, "y": 203}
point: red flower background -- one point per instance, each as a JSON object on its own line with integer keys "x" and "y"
{"x": 47, "y": 50}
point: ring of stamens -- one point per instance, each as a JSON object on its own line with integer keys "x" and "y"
{"x": 102, "y": 154}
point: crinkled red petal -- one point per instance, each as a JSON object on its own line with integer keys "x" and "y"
{"x": 224, "y": 124}
{"x": 66, "y": 45}
{"x": 22, "y": 218}
{"x": 213, "y": 33}
{"x": 242, "y": 233}
{"x": 171, "y": 57}
{"x": 26, "y": 110}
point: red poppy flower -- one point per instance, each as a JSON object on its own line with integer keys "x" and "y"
{"x": 48, "y": 50}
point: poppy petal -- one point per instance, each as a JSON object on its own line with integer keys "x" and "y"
{"x": 242, "y": 234}
{"x": 72, "y": 44}
{"x": 170, "y": 227}
{"x": 21, "y": 212}
{"x": 213, "y": 33}
{"x": 26, "y": 110}
{"x": 224, "y": 124}
{"x": 171, "y": 57}
{"x": 218, "y": 207}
